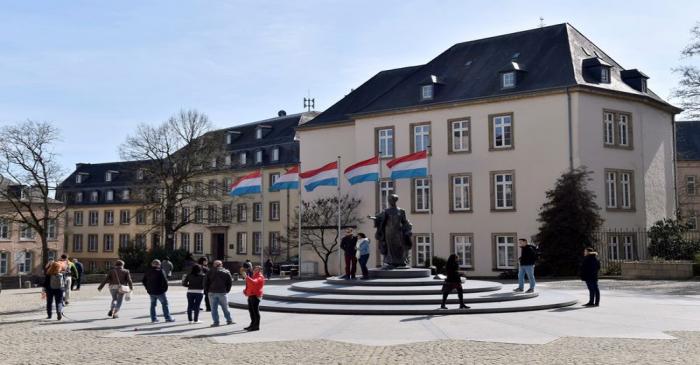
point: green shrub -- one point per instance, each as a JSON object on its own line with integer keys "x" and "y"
{"x": 666, "y": 241}
{"x": 614, "y": 268}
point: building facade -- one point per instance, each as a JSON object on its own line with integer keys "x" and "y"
{"x": 106, "y": 210}
{"x": 503, "y": 118}
{"x": 20, "y": 245}
{"x": 688, "y": 171}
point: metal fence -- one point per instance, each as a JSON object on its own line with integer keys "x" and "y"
{"x": 615, "y": 246}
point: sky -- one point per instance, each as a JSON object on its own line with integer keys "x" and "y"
{"x": 97, "y": 69}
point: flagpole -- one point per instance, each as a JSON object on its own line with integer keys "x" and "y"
{"x": 301, "y": 214}
{"x": 340, "y": 254}
{"x": 262, "y": 220}
{"x": 430, "y": 203}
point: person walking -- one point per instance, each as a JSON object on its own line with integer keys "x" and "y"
{"x": 80, "y": 269}
{"x": 348, "y": 245}
{"x": 195, "y": 282}
{"x": 117, "y": 278}
{"x": 363, "y": 252}
{"x": 204, "y": 264}
{"x": 254, "y": 291}
{"x": 528, "y": 257}
{"x": 248, "y": 267}
{"x": 453, "y": 281}
{"x": 218, "y": 284}
{"x": 167, "y": 267}
{"x": 156, "y": 285}
{"x": 68, "y": 270}
{"x": 268, "y": 269}
{"x": 589, "y": 274}
{"x": 53, "y": 289}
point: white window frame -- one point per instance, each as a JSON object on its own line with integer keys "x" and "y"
{"x": 385, "y": 142}
{"x": 692, "y": 222}
{"x": 94, "y": 196}
{"x": 24, "y": 261}
{"x": 503, "y": 124}
{"x": 461, "y": 193}
{"x": 51, "y": 229}
{"x": 26, "y": 232}
{"x": 257, "y": 243}
{"x": 242, "y": 158}
{"x": 508, "y": 80}
{"x": 427, "y": 92}
{"x": 108, "y": 242}
{"x": 123, "y": 240}
{"x": 275, "y": 154}
{"x": 623, "y": 130}
{"x": 125, "y": 216}
{"x": 5, "y": 229}
{"x": 109, "y": 195}
{"x": 503, "y": 189}
{"x": 258, "y": 156}
{"x": 227, "y": 160}
{"x": 691, "y": 185}
{"x": 609, "y": 132}
{"x": 626, "y": 190}
{"x": 109, "y": 218}
{"x": 275, "y": 246}
{"x": 93, "y": 243}
{"x": 229, "y": 138}
{"x": 77, "y": 243}
{"x": 185, "y": 241}
{"x": 386, "y": 188}
{"x": 424, "y": 249}
{"x": 79, "y": 197}
{"x": 242, "y": 212}
{"x": 460, "y": 131}
{"x": 93, "y": 218}
{"x": 199, "y": 243}
{"x": 505, "y": 245}
{"x": 421, "y": 137}
{"x": 605, "y": 75}
{"x": 257, "y": 212}
{"x": 108, "y": 176}
{"x": 4, "y": 263}
{"x": 274, "y": 211}
{"x": 611, "y": 196}
{"x": 628, "y": 247}
{"x": 242, "y": 243}
{"x": 126, "y": 194}
{"x": 258, "y": 133}
{"x": 463, "y": 246}
{"x": 421, "y": 194}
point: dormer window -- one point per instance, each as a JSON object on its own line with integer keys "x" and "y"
{"x": 139, "y": 174}
{"x": 227, "y": 160}
{"x": 126, "y": 194}
{"x": 635, "y": 79}
{"x": 80, "y": 177}
{"x": 275, "y": 154}
{"x": 426, "y": 92}
{"x": 243, "y": 158}
{"x": 79, "y": 197}
{"x": 108, "y": 176}
{"x": 605, "y": 75}
{"x": 231, "y": 136}
{"x": 258, "y": 156}
{"x": 228, "y": 138}
{"x": 109, "y": 196}
{"x": 258, "y": 133}
{"x": 93, "y": 196}
{"x": 508, "y": 80}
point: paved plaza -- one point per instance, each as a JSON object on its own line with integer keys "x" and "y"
{"x": 640, "y": 322}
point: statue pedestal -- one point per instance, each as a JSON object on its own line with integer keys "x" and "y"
{"x": 408, "y": 273}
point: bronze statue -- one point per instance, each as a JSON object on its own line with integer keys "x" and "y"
{"x": 393, "y": 235}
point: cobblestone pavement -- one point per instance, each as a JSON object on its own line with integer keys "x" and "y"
{"x": 25, "y": 338}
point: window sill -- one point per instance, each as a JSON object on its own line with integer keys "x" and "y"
{"x": 420, "y": 212}
{"x": 502, "y": 269}
{"x": 618, "y": 147}
{"x": 621, "y": 210}
{"x": 504, "y": 210}
{"x": 452, "y": 152}
{"x": 494, "y": 149}
{"x": 461, "y": 211}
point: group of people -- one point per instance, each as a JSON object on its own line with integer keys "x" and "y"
{"x": 202, "y": 283}
{"x": 60, "y": 278}
{"x": 355, "y": 249}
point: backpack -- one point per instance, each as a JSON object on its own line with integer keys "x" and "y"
{"x": 56, "y": 281}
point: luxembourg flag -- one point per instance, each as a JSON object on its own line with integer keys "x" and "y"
{"x": 367, "y": 170}
{"x": 322, "y": 176}
{"x": 409, "y": 166}
{"x": 249, "y": 184}
{"x": 288, "y": 181}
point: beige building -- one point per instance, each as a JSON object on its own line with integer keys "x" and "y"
{"x": 688, "y": 171}
{"x": 106, "y": 212}
{"x": 20, "y": 246}
{"x": 503, "y": 118}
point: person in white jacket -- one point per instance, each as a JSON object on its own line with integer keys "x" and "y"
{"x": 363, "y": 253}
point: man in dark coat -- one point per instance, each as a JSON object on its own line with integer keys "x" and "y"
{"x": 348, "y": 245}
{"x": 589, "y": 274}
{"x": 156, "y": 285}
{"x": 528, "y": 257}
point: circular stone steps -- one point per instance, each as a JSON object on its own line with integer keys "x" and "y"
{"x": 283, "y": 294}
{"x": 319, "y": 286}
{"x": 385, "y": 282}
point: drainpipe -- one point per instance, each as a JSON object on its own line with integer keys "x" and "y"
{"x": 571, "y": 132}
{"x": 676, "y": 206}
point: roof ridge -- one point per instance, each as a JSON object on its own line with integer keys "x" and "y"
{"x": 506, "y": 35}
{"x": 260, "y": 121}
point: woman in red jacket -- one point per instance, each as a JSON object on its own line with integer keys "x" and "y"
{"x": 254, "y": 291}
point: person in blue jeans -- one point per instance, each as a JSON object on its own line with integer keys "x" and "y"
{"x": 156, "y": 285}
{"x": 528, "y": 257}
{"x": 218, "y": 284}
{"x": 195, "y": 282}
{"x": 363, "y": 251}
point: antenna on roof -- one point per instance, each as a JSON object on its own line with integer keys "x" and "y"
{"x": 541, "y": 22}
{"x": 309, "y": 103}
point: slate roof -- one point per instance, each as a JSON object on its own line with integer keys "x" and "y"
{"x": 550, "y": 57}
{"x": 688, "y": 140}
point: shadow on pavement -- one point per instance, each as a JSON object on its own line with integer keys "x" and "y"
{"x": 420, "y": 318}
{"x": 236, "y": 332}
{"x": 567, "y": 309}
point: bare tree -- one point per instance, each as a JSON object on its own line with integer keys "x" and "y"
{"x": 320, "y": 225}
{"x": 688, "y": 90}
{"x": 29, "y": 175}
{"x": 176, "y": 152}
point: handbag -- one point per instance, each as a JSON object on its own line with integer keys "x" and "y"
{"x": 123, "y": 289}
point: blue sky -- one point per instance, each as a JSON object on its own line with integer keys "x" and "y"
{"x": 98, "y": 68}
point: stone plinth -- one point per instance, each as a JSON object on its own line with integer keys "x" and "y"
{"x": 408, "y": 273}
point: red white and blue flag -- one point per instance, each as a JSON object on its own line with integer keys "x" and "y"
{"x": 363, "y": 171}
{"x": 288, "y": 181}
{"x": 248, "y": 184}
{"x": 409, "y": 166}
{"x": 326, "y": 175}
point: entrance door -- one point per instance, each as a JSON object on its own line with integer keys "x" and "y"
{"x": 218, "y": 246}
